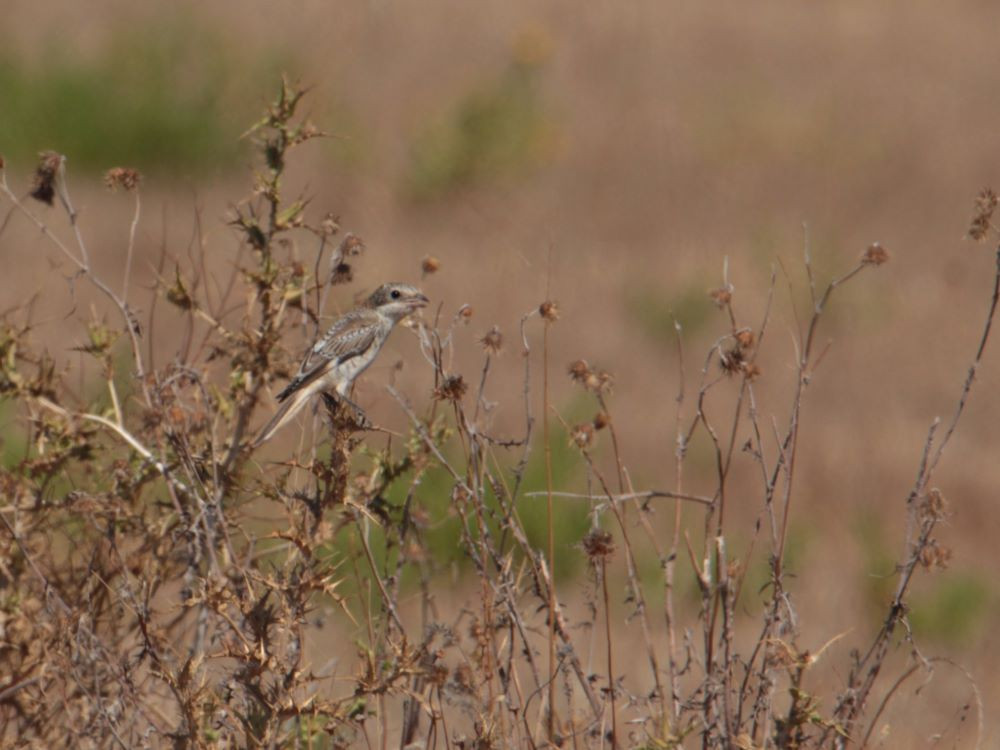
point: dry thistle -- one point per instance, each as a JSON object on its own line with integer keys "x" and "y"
{"x": 579, "y": 371}
{"x": 598, "y": 544}
{"x": 601, "y": 382}
{"x": 721, "y": 296}
{"x": 351, "y": 246}
{"x": 934, "y": 555}
{"x": 452, "y": 388}
{"x": 934, "y": 506}
{"x": 341, "y": 273}
{"x": 330, "y": 225}
{"x": 745, "y": 338}
{"x": 492, "y": 340}
{"x": 732, "y": 360}
{"x": 50, "y": 166}
{"x": 126, "y": 178}
{"x": 582, "y": 435}
{"x": 595, "y": 381}
{"x": 549, "y": 310}
{"x": 875, "y": 255}
{"x": 735, "y": 361}
{"x": 429, "y": 265}
{"x": 982, "y": 219}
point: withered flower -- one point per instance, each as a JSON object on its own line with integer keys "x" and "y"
{"x": 330, "y": 225}
{"x": 429, "y": 265}
{"x": 579, "y": 371}
{"x": 351, "y": 246}
{"x": 875, "y": 255}
{"x": 935, "y": 555}
{"x": 492, "y": 340}
{"x": 452, "y": 388}
{"x": 126, "y": 178}
{"x": 342, "y": 273}
{"x": 549, "y": 310}
{"x": 982, "y": 218}
{"x": 745, "y": 338}
{"x": 50, "y": 164}
{"x": 598, "y": 544}
{"x": 721, "y": 296}
{"x": 582, "y": 435}
{"x": 732, "y": 360}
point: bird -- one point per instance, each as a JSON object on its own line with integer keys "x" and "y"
{"x": 346, "y": 350}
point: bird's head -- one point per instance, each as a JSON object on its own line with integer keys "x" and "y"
{"x": 397, "y": 300}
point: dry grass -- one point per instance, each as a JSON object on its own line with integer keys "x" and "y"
{"x": 165, "y": 586}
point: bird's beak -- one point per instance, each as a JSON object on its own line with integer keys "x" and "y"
{"x": 419, "y": 300}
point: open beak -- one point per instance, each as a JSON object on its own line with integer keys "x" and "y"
{"x": 419, "y": 301}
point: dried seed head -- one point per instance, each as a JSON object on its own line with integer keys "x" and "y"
{"x": 429, "y": 265}
{"x": 721, "y": 296}
{"x": 986, "y": 201}
{"x": 351, "y": 245}
{"x": 549, "y": 310}
{"x": 934, "y": 506}
{"x": 875, "y": 255}
{"x": 745, "y": 338}
{"x": 579, "y": 371}
{"x": 465, "y": 313}
{"x": 732, "y": 360}
{"x": 582, "y": 435}
{"x": 601, "y": 420}
{"x": 604, "y": 382}
{"x": 934, "y": 555}
{"x": 598, "y": 544}
{"x": 492, "y": 340}
{"x": 50, "y": 165}
{"x": 126, "y": 178}
{"x": 452, "y": 388}
{"x": 330, "y": 225}
{"x": 342, "y": 273}
{"x": 982, "y": 218}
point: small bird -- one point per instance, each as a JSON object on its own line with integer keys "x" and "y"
{"x": 345, "y": 351}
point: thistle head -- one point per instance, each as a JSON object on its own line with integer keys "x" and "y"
{"x": 396, "y": 300}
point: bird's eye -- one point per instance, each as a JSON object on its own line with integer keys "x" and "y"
{"x": 394, "y": 294}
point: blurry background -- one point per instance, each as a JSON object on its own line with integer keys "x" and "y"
{"x": 609, "y": 156}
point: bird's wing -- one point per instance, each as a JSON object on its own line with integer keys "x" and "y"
{"x": 348, "y": 337}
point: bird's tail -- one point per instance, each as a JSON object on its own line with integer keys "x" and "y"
{"x": 288, "y": 409}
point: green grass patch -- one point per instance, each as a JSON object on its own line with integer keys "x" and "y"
{"x": 952, "y": 609}
{"x": 655, "y": 310}
{"x": 496, "y": 130}
{"x": 160, "y": 98}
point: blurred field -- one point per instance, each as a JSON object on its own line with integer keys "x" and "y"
{"x": 612, "y": 157}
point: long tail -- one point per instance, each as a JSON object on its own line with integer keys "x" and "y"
{"x": 286, "y": 412}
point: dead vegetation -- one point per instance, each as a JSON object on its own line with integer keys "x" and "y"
{"x": 160, "y": 583}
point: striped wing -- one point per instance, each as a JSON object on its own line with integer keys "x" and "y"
{"x": 350, "y": 336}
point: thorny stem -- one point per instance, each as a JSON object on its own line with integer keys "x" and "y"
{"x": 550, "y": 718}
{"x": 852, "y": 702}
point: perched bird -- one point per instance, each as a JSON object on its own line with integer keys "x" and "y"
{"x": 345, "y": 351}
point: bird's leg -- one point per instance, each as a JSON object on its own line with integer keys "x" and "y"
{"x": 359, "y": 416}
